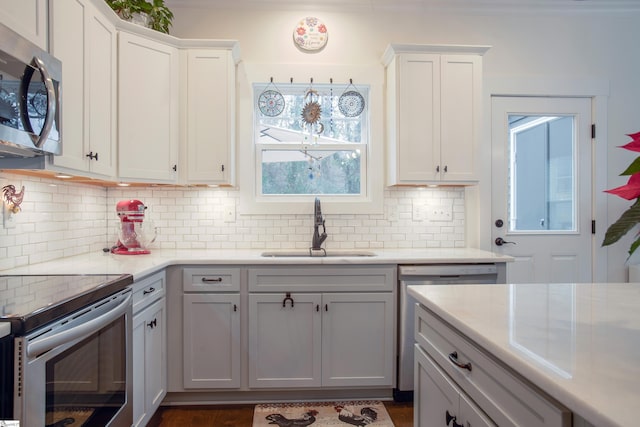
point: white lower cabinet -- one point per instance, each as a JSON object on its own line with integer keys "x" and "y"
{"x": 299, "y": 338}
{"x": 149, "y": 347}
{"x": 459, "y": 384}
{"x": 211, "y": 328}
{"x": 441, "y": 402}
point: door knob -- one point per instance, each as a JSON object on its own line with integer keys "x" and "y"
{"x": 500, "y": 241}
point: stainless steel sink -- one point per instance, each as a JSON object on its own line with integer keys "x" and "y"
{"x": 317, "y": 254}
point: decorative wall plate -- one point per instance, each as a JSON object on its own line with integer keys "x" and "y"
{"x": 271, "y": 103}
{"x": 310, "y": 34}
{"x": 351, "y": 103}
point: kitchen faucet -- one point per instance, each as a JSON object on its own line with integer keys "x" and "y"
{"x": 316, "y": 242}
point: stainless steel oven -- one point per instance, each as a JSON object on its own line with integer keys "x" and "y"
{"x": 75, "y": 367}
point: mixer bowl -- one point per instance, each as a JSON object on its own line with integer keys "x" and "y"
{"x": 137, "y": 236}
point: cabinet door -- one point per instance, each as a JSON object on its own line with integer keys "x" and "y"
{"x": 147, "y": 110}
{"x": 357, "y": 339}
{"x": 85, "y": 41}
{"x": 149, "y": 361}
{"x": 27, "y": 18}
{"x": 418, "y": 117}
{"x": 461, "y": 91}
{"x": 436, "y": 399}
{"x": 68, "y": 36}
{"x": 100, "y": 95}
{"x": 471, "y": 415}
{"x": 284, "y": 340}
{"x": 211, "y": 334}
{"x": 211, "y": 116}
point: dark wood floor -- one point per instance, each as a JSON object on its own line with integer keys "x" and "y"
{"x": 242, "y": 415}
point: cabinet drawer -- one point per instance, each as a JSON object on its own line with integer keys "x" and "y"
{"x": 508, "y": 399}
{"x": 148, "y": 290}
{"x": 323, "y": 279}
{"x": 200, "y": 279}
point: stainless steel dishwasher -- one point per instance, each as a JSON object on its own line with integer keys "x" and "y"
{"x": 427, "y": 275}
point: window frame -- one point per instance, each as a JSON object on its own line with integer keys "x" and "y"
{"x": 371, "y": 75}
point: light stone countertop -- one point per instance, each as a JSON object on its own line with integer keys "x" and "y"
{"x": 580, "y": 343}
{"x": 143, "y": 265}
{"x": 5, "y": 329}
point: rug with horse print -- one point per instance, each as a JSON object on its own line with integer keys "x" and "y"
{"x": 322, "y": 414}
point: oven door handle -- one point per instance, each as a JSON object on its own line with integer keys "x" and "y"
{"x": 41, "y": 345}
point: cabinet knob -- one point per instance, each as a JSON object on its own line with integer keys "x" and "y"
{"x": 92, "y": 156}
{"x": 153, "y": 323}
{"x": 175, "y": 168}
{"x": 448, "y": 418}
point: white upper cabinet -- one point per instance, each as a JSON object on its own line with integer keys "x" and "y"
{"x": 210, "y": 109}
{"x": 433, "y": 113}
{"x": 85, "y": 41}
{"x": 27, "y": 18}
{"x": 148, "y": 121}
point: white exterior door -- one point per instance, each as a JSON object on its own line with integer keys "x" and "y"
{"x": 541, "y": 185}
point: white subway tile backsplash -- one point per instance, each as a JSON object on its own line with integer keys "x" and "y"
{"x": 60, "y": 219}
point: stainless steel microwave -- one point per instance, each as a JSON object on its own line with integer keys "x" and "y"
{"x": 30, "y": 85}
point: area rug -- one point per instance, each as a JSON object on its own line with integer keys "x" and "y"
{"x": 323, "y": 414}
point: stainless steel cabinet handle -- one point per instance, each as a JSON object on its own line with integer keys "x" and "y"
{"x": 453, "y": 357}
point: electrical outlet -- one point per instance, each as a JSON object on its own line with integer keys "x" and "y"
{"x": 230, "y": 213}
{"x": 440, "y": 213}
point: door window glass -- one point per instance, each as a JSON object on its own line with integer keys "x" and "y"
{"x": 542, "y": 181}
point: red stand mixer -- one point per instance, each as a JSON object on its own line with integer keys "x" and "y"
{"x": 133, "y": 237}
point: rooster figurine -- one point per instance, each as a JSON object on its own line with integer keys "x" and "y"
{"x": 307, "y": 418}
{"x": 11, "y": 198}
{"x": 366, "y": 417}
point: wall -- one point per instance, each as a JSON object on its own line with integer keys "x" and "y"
{"x": 63, "y": 219}
{"x": 570, "y": 42}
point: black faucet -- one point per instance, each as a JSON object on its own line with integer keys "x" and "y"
{"x": 318, "y": 239}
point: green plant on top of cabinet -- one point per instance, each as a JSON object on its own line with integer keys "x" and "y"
{"x": 27, "y": 18}
{"x": 321, "y": 327}
{"x": 433, "y": 108}
{"x": 210, "y": 130}
{"x": 148, "y": 121}
{"x": 85, "y": 41}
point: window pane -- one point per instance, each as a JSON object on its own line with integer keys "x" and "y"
{"x": 310, "y": 172}
{"x": 298, "y": 156}
{"x": 542, "y": 177}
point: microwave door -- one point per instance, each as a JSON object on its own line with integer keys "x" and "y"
{"x": 37, "y": 101}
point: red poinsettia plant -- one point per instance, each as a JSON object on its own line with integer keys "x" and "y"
{"x": 629, "y": 191}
